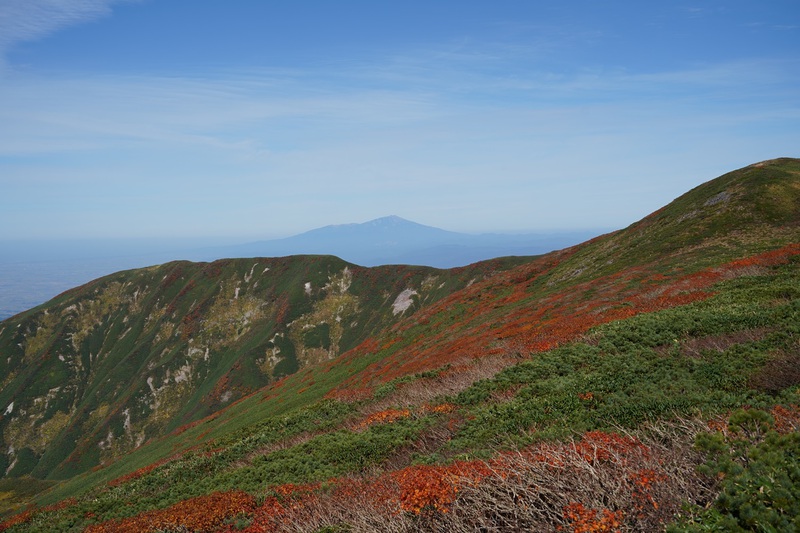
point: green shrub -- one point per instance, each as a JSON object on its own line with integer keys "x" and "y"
{"x": 759, "y": 470}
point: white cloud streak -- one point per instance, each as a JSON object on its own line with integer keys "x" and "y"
{"x": 52, "y": 114}
{"x": 302, "y": 146}
{"x": 29, "y": 20}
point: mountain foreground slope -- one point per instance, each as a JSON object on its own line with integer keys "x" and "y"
{"x": 645, "y": 379}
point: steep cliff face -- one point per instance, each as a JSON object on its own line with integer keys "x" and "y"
{"x": 105, "y": 367}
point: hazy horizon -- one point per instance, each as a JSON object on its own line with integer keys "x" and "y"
{"x": 34, "y": 271}
{"x": 162, "y": 242}
{"x": 147, "y": 118}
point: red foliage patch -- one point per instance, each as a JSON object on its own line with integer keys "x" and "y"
{"x": 26, "y": 516}
{"x": 602, "y": 446}
{"x": 583, "y": 520}
{"x": 21, "y": 518}
{"x": 787, "y": 419}
{"x": 201, "y": 514}
{"x": 283, "y": 501}
{"x": 467, "y": 325}
{"x": 384, "y": 417}
{"x": 424, "y": 487}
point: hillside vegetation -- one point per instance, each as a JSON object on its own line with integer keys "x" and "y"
{"x": 648, "y": 379}
{"x": 104, "y": 368}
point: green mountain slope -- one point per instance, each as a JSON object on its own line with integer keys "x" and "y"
{"x": 269, "y": 406}
{"x": 105, "y": 367}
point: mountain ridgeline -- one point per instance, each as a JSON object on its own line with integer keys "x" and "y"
{"x": 32, "y": 273}
{"x": 393, "y": 240}
{"x": 261, "y": 389}
{"x": 105, "y": 367}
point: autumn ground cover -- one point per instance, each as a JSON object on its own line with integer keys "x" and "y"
{"x": 534, "y": 324}
{"x": 601, "y": 433}
{"x": 601, "y": 482}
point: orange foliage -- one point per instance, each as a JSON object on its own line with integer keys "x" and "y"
{"x": 441, "y": 408}
{"x": 642, "y": 482}
{"x": 780, "y": 256}
{"x": 284, "y": 500}
{"x": 201, "y": 514}
{"x": 583, "y": 520}
{"x": 425, "y": 487}
{"x": 787, "y": 419}
{"x": 602, "y": 446}
{"x": 21, "y": 518}
{"x": 421, "y": 489}
{"x": 531, "y": 324}
{"x": 136, "y": 474}
{"x": 25, "y": 516}
{"x": 350, "y": 395}
{"x": 384, "y": 417}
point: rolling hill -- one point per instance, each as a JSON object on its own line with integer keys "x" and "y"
{"x": 645, "y": 379}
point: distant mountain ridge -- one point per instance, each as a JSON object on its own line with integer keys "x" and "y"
{"x": 395, "y": 240}
{"x": 29, "y": 277}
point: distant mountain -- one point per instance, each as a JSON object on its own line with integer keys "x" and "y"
{"x": 395, "y": 240}
{"x": 31, "y": 274}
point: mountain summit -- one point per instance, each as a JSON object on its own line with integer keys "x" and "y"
{"x": 394, "y": 240}
{"x": 390, "y": 232}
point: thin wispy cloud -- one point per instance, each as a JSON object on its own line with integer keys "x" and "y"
{"x": 245, "y": 106}
{"x": 550, "y": 119}
{"x": 311, "y": 138}
{"x": 29, "y": 20}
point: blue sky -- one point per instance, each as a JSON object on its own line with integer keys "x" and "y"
{"x": 252, "y": 119}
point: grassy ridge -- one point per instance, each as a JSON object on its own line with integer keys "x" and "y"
{"x": 702, "y": 359}
{"x": 106, "y": 367}
{"x": 686, "y": 315}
